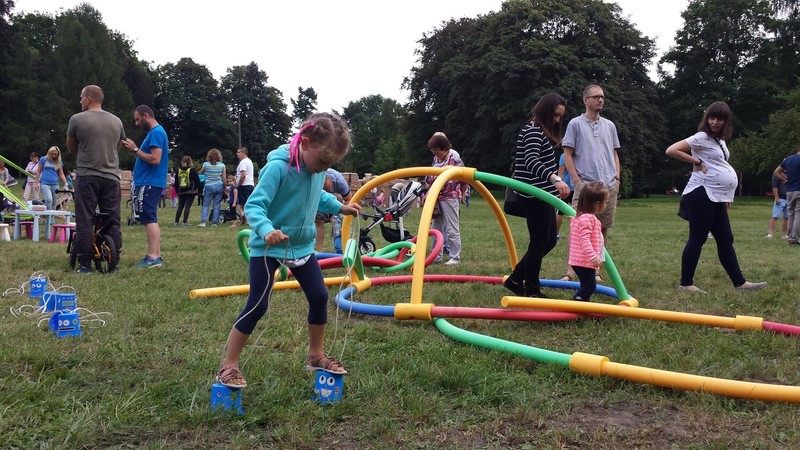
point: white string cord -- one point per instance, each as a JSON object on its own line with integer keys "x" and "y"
{"x": 19, "y": 290}
{"x": 89, "y": 320}
{"x": 348, "y": 275}
{"x": 268, "y": 294}
{"x": 27, "y": 310}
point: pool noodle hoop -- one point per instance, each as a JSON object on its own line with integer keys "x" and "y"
{"x": 558, "y": 310}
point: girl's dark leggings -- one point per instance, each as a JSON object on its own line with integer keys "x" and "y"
{"x": 262, "y": 277}
{"x": 586, "y": 275}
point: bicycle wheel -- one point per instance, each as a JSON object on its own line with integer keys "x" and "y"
{"x": 73, "y": 255}
{"x": 108, "y": 257}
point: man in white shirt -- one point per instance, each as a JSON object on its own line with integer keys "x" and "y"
{"x": 244, "y": 181}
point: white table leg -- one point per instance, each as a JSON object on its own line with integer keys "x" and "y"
{"x": 35, "y": 228}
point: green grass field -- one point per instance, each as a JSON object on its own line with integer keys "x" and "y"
{"x": 144, "y": 378}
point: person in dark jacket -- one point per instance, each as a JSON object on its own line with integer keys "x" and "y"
{"x": 187, "y": 183}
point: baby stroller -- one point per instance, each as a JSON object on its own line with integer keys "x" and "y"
{"x": 228, "y": 215}
{"x": 134, "y": 217}
{"x": 402, "y": 198}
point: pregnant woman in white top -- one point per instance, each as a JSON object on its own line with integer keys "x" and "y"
{"x": 708, "y": 196}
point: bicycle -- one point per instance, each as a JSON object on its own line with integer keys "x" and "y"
{"x": 62, "y": 201}
{"x": 105, "y": 257}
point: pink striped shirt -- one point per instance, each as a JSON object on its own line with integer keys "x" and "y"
{"x": 585, "y": 241}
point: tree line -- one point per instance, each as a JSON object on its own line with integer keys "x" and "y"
{"x": 476, "y": 79}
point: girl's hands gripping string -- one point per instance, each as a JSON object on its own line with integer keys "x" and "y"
{"x": 352, "y": 209}
{"x": 275, "y": 237}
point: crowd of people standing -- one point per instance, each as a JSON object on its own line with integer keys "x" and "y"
{"x": 591, "y": 160}
{"x": 589, "y": 156}
{"x": 298, "y": 184}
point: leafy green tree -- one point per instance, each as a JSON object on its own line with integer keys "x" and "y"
{"x": 87, "y": 52}
{"x": 6, "y": 6}
{"x": 759, "y": 153}
{"x": 719, "y": 45}
{"x": 192, "y": 109}
{"x": 304, "y": 106}
{"x": 786, "y": 40}
{"x": 258, "y": 108}
{"x": 391, "y": 154}
{"x": 49, "y": 60}
{"x": 743, "y": 52}
{"x": 373, "y": 121}
{"x": 31, "y": 106}
{"x": 787, "y": 13}
{"x": 477, "y": 79}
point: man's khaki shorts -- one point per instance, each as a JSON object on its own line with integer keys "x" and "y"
{"x": 607, "y": 216}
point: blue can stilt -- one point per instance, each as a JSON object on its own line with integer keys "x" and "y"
{"x": 328, "y": 387}
{"x": 48, "y": 301}
{"x": 226, "y": 398}
{"x": 66, "y": 301}
{"x": 65, "y": 324}
{"x": 37, "y": 285}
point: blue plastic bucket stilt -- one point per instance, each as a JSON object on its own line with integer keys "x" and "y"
{"x": 224, "y": 398}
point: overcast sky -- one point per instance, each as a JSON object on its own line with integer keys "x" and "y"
{"x": 344, "y": 49}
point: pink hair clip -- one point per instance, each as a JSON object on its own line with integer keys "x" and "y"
{"x": 294, "y": 146}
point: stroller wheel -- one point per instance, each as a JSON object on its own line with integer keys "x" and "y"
{"x": 366, "y": 245}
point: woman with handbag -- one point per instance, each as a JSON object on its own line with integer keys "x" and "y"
{"x": 535, "y": 163}
{"x": 708, "y": 196}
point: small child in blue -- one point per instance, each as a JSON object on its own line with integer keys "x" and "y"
{"x": 336, "y": 233}
{"x": 233, "y": 198}
{"x": 283, "y": 232}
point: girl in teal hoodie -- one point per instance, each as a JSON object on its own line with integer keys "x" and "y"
{"x": 281, "y": 212}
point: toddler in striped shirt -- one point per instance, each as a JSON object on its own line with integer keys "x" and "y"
{"x": 586, "y": 245}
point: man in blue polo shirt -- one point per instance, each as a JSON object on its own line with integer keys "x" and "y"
{"x": 789, "y": 172}
{"x": 149, "y": 179}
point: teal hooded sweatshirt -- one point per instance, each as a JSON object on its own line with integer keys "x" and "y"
{"x": 287, "y": 200}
